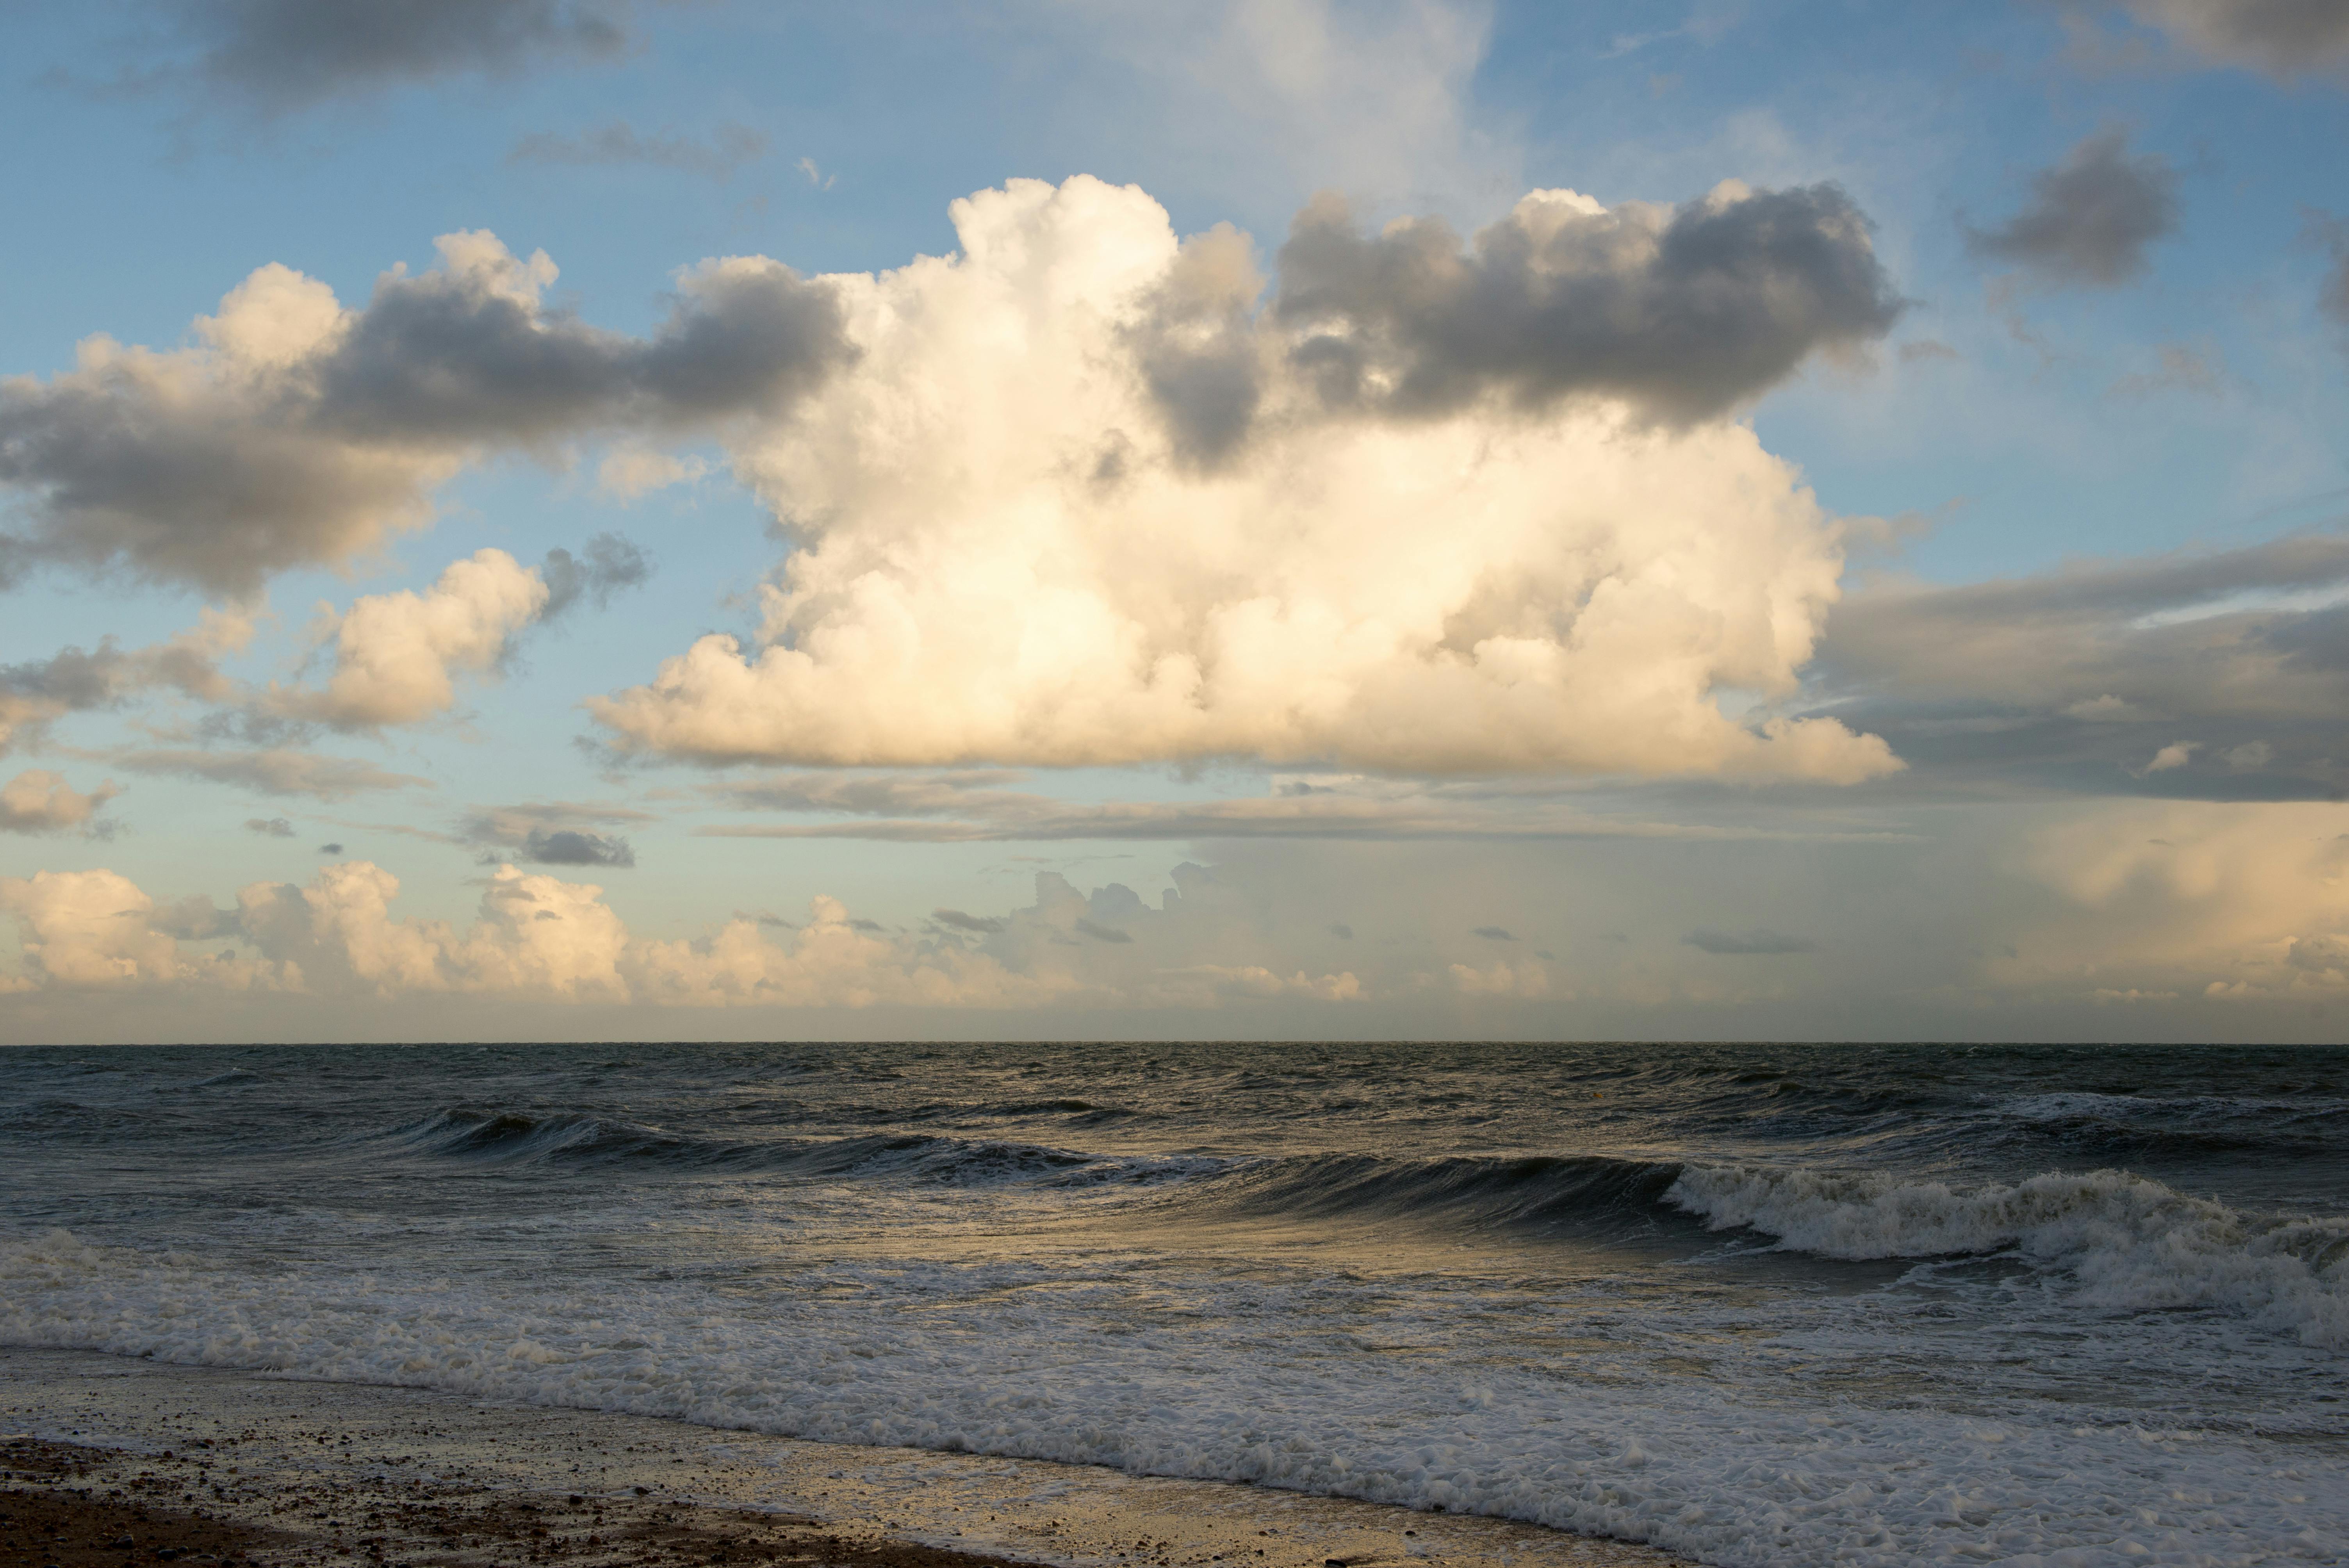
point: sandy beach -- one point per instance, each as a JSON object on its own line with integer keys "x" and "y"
{"x": 110, "y": 1460}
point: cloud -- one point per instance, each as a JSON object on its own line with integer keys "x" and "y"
{"x": 1494, "y": 933}
{"x": 280, "y": 56}
{"x": 538, "y": 937}
{"x": 1683, "y": 313}
{"x": 2091, "y": 217}
{"x": 956, "y": 920}
{"x": 2332, "y": 295}
{"x": 1706, "y": 26}
{"x": 274, "y": 771}
{"x": 973, "y": 806}
{"x": 299, "y": 433}
{"x": 608, "y": 565}
{"x": 1758, "y": 941}
{"x": 2072, "y": 678}
{"x": 2177, "y": 754}
{"x": 90, "y": 931}
{"x": 2286, "y": 39}
{"x": 269, "y": 827}
{"x": 1341, "y": 930}
{"x": 1011, "y": 554}
{"x": 1923, "y": 350}
{"x": 36, "y": 694}
{"x": 1526, "y": 979}
{"x": 635, "y": 472}
{"x": 39, "y": 802}
{"x": 533, "y": 936}
{"x": 330, "y": 849}
{"x": 2200, "y": 371}
{"x": 1286, "y": 95}
{"x": 570, "y": 847}
{"x": 1254, "y": 980}
{"x": 397, "y": 654}
{"x": 557, "y": 832}
{"x": 619, "y": 143}
{"x": 2231, "y": 902}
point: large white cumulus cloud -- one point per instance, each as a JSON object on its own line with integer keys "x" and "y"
{"x": 1070, "y": 498}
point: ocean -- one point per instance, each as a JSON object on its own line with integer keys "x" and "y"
{"x": 1757, "y": 1304}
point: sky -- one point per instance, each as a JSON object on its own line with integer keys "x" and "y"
{"x": 1284, "y": 519}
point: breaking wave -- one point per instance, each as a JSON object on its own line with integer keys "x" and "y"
{"x": 2131, "y": 1243}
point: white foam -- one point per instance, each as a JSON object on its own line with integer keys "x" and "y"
{"x": 2131, "y": 1243}
{"x": 1391, "y": 1388}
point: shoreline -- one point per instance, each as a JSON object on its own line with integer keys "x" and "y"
{"x": 293, "y": 1472}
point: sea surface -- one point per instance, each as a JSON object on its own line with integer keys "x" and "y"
{"x": 1799, "y": 1304}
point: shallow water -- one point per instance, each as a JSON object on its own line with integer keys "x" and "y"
{"x": 1754, "y": 1304}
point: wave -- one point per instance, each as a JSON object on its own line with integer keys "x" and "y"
{"x": 580, "y": 1139}
{"x": 2184, "y": 1126}
{"x": 1535, "y": 1193}
{"x": 1241, "y": 1385}
{"x": 2131, "y": 1243}
{"x": 2119, "y": 1241}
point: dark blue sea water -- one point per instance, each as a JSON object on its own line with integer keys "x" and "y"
{"x": 1761, "y": 1304}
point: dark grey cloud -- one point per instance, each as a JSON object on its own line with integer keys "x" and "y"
{"x": 195, "y": 919}
{"x": 111, "y": 471}
{"x": 2074, "y": 680}
{"x": 608, "y": 565}
{"x": 1196, "y": 346}
{"x": 278, "y": 55}
{"x": 1341, "y": 930}
{"x": 269, "y": 827}
{"x": 1685, "y": 311}
{"x": 1758, "y": 941}
{"x": 465, "y": 353}
{"x": 2091, "y": 217}
{"x": 570, "y": 847}
{"x": 220, "y": 479}
{"x": 977, "y": 924}
{"x": 619, "y": 144}
{"x": 36, "y": 693}
{"x": 554, "y": 833}
{"x": 330, "y": 849}
{"x": 2286, "y": 39}
{"x": 1101, "y": 933}
{"x": 1494, "y": 933}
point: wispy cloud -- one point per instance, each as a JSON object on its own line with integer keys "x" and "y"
{"x": 278, "y": 771}
{"x": 974, "y": 808}
{"x": 619, "y": 144}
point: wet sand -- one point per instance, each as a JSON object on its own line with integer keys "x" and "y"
{"x": 194, "y": 1464}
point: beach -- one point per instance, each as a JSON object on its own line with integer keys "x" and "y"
{"x": 205, "y": 1463}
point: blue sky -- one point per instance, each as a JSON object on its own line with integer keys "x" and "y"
{"x": 2009, "y": 440}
